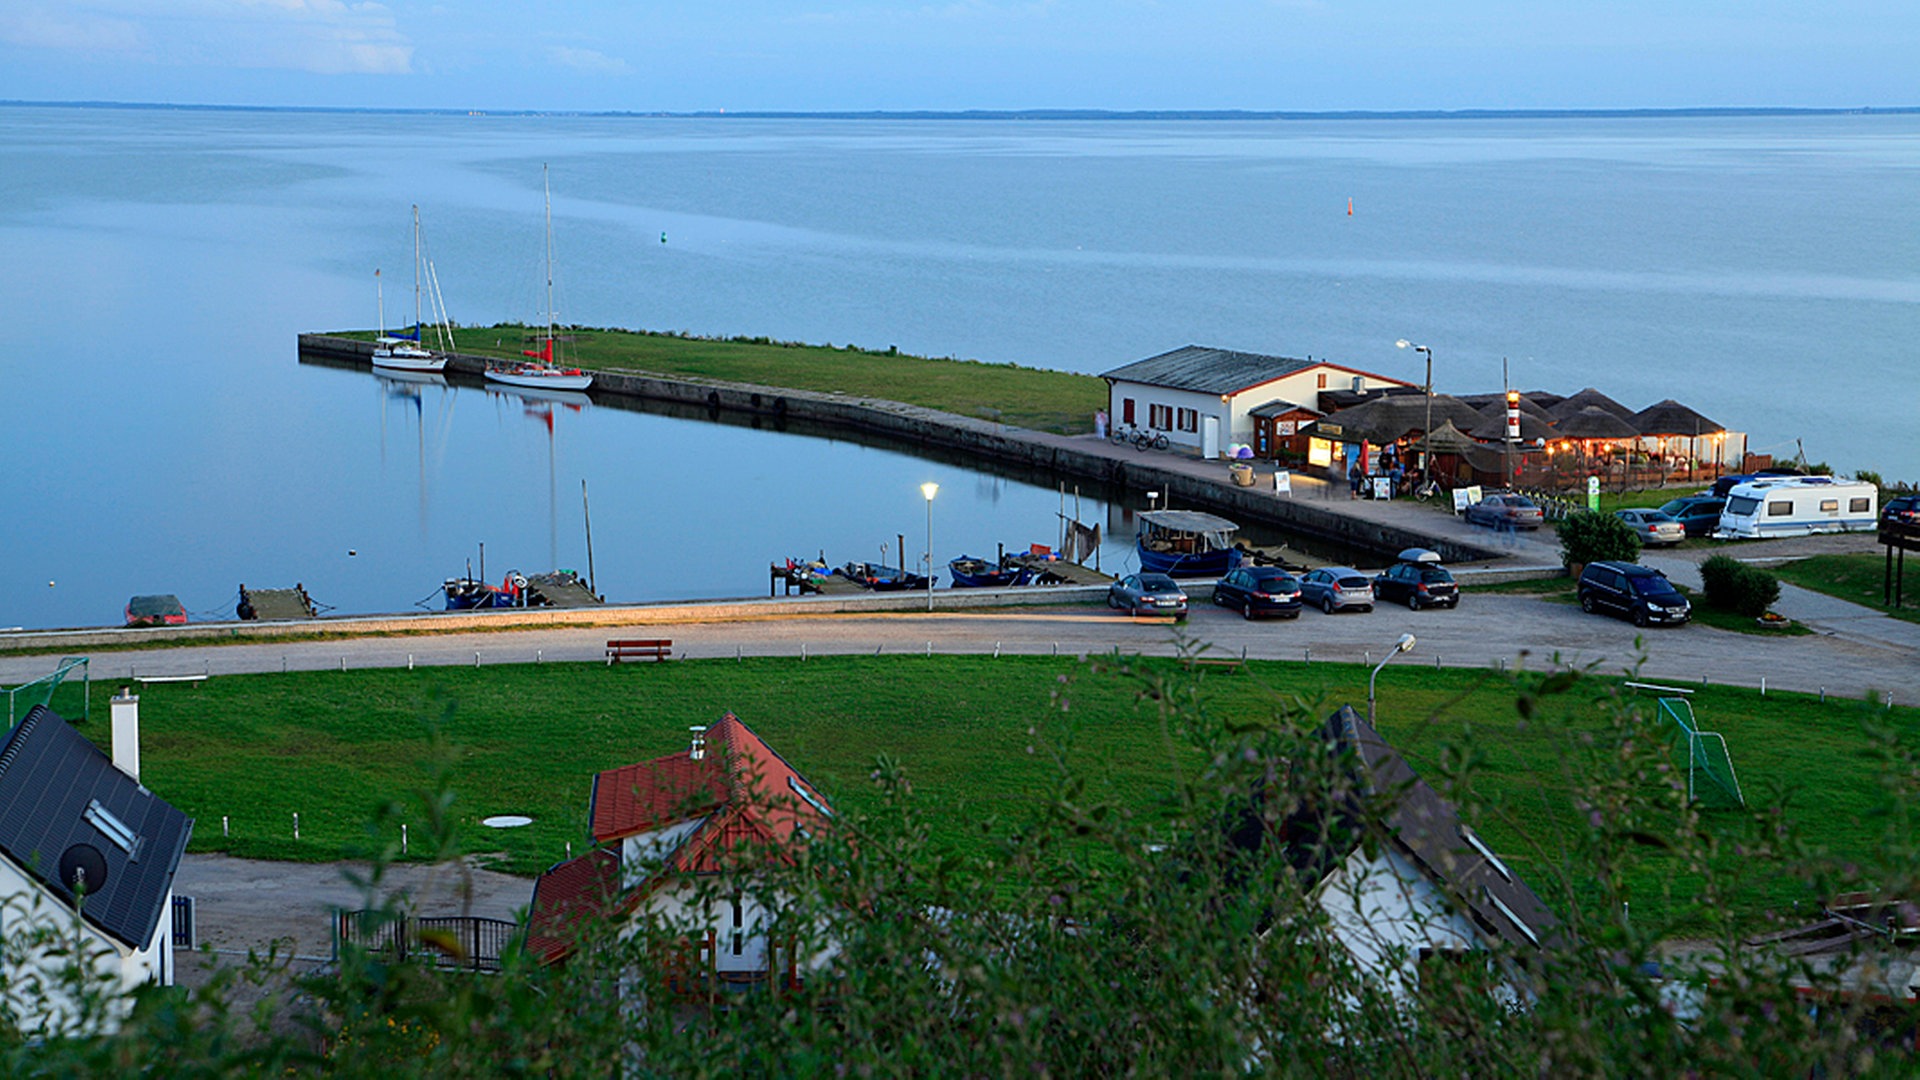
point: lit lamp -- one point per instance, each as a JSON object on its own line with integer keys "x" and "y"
{"x": 1405, "y": 643}
{"x": 929, "y": 489}
{"x": 1426, "y": 452}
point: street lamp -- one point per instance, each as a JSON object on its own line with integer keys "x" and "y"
{"x": 1426, "y": 433}
{"x": 1405, "y": 643}
{"x": 929, "y": 489}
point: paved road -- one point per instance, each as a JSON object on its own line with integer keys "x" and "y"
{"x": 1486, "y": 630}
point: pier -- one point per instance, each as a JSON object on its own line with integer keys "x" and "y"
{"x": 1182, "y": 479}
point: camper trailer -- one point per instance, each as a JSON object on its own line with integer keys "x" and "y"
{"x": 1797, "y": 506}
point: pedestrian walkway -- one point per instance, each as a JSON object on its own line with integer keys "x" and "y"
{"x": 1818, "y": 611}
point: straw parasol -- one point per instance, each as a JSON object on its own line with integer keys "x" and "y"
{"x": 1392, "y": 417}
{"x": 1491, "y": 423}
{"x": 1670, "y": 419}
{"x": 1591, "y": 397}
{"x": 1447, "y": 439}
{"x": 1593, "y": 422}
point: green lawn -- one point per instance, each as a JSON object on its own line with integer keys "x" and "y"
{"x": 1859, "y": 578}
{"x": 1026, "y": 397}
{"x": 983, "y": 741}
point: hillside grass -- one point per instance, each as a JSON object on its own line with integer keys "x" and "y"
{"x": 985, "y": 742}
{"x": 1058, "y": 401}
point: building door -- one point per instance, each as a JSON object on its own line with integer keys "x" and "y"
{"x": 1126, "y": 411}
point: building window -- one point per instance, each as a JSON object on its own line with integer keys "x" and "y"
{"x": 1160, "y": 417}
{"x": 1780, "y": 508}
{"x": 1322, "y": 381}
{"x": 1189, "y": 420}
{"x": 1126, "y": 411}
{"x": 1857, "y": 506}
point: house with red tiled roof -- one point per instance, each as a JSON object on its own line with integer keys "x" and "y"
{"x": 692, "y": 840}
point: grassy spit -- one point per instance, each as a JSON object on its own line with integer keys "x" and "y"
{"x": 1034, "y": 398}
{"x": 984, "y": 740}
{"x": 1856, "y": 578}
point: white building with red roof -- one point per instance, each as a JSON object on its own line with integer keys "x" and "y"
{"x": 691, "y": 840}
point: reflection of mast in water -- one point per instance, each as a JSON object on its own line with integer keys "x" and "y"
{"x": 539, "y": 404}
{"x": 406, "y": 387}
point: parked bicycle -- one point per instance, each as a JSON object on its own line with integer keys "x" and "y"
{"x": 1144, "y": 440}
{"x": 1121, "y": 434}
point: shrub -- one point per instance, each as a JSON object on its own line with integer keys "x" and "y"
{"x": 1589, "y": 536}
{"x": 1731, "y": 585}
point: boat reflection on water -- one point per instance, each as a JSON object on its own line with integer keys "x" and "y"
{"x": 539, "y": 403}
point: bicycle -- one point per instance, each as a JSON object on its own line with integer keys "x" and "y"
{"x": 1142, "y": 440}
{"x": 1120, "y": 434}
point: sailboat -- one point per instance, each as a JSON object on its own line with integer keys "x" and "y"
{"x": 542, "y": 373}
{"x": 405, "y": 352}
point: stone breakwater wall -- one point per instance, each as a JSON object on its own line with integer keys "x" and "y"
{"x": 988, "y": 441}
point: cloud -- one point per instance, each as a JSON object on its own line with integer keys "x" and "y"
{"x": 588, "y": 61}
{"x": 328, "y": 37}
{"x": 39, "y": 28}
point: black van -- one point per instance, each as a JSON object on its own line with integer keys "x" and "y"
{"x": 1638, "y": 592}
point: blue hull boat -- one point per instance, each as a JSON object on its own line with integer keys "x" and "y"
{"x": 882, "y": 578}
{"x": 1186, "y": 543}
{"x": 972, "y": 573}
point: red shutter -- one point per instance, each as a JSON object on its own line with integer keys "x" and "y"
{"x": 1126, "y": 410}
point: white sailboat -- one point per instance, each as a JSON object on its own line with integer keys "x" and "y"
{"x": 408, "y": 353}
{"x": 542, "y": 373}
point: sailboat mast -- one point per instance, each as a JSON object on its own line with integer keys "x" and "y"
{"x": 416, "y": 269}
{"x": 547, "y": 183}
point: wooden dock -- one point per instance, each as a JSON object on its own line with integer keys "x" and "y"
{"x": 1060, "y": 571}
{"x": 561, "y": 589}
{"x": 275, "y": 605}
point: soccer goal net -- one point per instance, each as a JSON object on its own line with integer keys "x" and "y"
{"x": 65, "y": 691}
{"x": 1711, "y": 781}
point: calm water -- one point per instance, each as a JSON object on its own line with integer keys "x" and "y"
{"x": 162, "y": 438}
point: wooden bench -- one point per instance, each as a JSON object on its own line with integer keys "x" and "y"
{"x": 660, "y": 649}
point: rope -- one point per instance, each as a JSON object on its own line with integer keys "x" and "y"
{"x": 422, "y": 602}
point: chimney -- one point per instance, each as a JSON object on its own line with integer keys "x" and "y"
{"x": 699, "y": 748}
{"x": 126, "y": 732}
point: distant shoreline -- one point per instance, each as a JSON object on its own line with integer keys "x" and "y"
{"x": 1023, "y": 114}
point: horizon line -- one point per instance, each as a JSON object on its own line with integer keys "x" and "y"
{"x": 1012, "y": 114}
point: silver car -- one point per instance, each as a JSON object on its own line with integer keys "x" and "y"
{"x": 1332, "y": 588}
{"x": 1654, "y": 527}
{"x": 1148, "y": 594}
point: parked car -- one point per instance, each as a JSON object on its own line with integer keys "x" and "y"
{"x": 1417, "y": 585}
{"x": 1259, "y": 590}
{"x": 1698, "y": 515}
{"x": 1506, "y": 511}
{"x": 1637, "y": 592}
{"x": 1654, "y": 527}
{"x": 1336, "y": 587}
{"x": 1148, "y": 594}
{"x": 1903, "y": 511}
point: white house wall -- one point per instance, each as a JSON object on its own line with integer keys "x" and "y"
{"x": 1384, "y": 911}
{"x": 1236, "y": 423}
{"x": 695, "y": 907}
{"x": 27, "y": 909}
{"x": 642, "y": 854}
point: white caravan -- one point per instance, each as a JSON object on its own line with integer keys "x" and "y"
{"x": 1798, "y": 506}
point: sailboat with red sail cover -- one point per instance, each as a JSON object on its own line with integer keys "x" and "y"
{"x": 541, "y": 372}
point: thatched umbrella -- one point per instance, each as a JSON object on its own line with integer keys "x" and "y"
{"x": 1568, "y": 406}
{"x": 1670, "y": 419}
{"x": 1392, "y": 417}
{"x": 1491, "y": 423}
{"x": 1447, "y": 439}
{"x": 1592, "y": 424}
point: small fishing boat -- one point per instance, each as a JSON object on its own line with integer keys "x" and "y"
{"x": 404, "y": 352}
{"x": 1186, "y": 543}
{"x": 882, "y": 578}
{"x": 472, "y": 594}
{"x": 542, "y": 373}
{"x": 971, "y": 573}
{"x": 160, "y": 609}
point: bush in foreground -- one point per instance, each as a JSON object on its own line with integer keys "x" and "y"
{"x": 1591, "y": 536}
{"x": 1731, "y": 585}
{"x": 1088, "y": 941}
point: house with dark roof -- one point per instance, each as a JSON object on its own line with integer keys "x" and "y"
{"x": 1403, "y": 881}
{"x": 1205, "y": 397}
{"x": 689, "y": 840}
{"x": 87, "y": 862}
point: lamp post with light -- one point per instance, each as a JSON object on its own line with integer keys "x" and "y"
{"x": 929, "y": 489}
{"x": 1426, "y": 433}
{"x": 1405, "y": 643}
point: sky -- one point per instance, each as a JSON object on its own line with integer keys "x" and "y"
{"x": 832, "y": 55}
